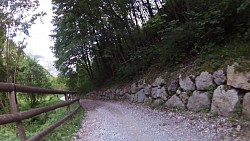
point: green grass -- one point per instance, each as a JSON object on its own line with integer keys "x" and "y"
{"x": 220, "y": 57}
{"x": 38, "y": 123}
{"x": 66, "y": 130}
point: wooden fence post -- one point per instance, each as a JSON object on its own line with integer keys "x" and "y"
{"x": 67, "y": 99}
{"x": 14, "y": 109}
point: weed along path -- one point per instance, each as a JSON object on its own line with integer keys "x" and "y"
{"x": 123, "y": 121}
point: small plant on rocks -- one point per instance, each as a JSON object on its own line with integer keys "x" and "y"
{"x": 237, "y": 114}
{"x": 205, "y": 110}
{"x": 211, "y": 89}
{"x": 190, "y": 92}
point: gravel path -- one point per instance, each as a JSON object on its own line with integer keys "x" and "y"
{"x": 123, "y": 121}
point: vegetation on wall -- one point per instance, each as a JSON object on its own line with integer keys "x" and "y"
{"x": 38, "y": 123}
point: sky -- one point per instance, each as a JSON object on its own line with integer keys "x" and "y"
{"x": 39, "y": 42}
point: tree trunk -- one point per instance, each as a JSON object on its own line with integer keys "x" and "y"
{"x": 157, "y": 6}
{"x": 136, "y": 20}
{"x": 7, "y": 54}
{"x": 16, "y": 63}
{"x": 3, "y": 105}
{"x": 150, "y": 11}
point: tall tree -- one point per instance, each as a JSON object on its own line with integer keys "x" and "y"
{"x": 16, "y": 17}
{"x": 33, "y": 74}
{"x": 99, "y": 35}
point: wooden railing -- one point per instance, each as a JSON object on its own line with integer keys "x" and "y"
{"x": 16, "y": 116}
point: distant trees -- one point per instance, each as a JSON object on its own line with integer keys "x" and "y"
{"x": 16, "y": 17}
{"x": 33, "y": 74}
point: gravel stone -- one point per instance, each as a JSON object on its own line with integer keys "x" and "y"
{"x": 124, "y": 121}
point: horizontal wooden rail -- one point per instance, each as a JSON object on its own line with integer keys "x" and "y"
{"x": 9, "y": 87}
{"x": 52, "y": 127}
{"x": 18, "y": 117}
{"x": 9, "y": 118}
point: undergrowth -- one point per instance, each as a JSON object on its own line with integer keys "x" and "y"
{"x": 38, "y": 123}
{"x": 220, "y": 57}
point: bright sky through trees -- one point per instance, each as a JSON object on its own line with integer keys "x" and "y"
{"x": 40, "y": 41}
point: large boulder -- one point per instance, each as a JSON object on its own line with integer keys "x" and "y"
{"x": 158, "y": 92}
{"x": 175, "y": 102}
{"x": 186, "y": 84}
{"x": 238, "y": 79}
{"x": 246, "y": 106}
{"x": 173, "y": 86}
{"x": 140, "y": 96}
{"x": 203, "y": 81}
{"x": 224, "y": 101}
{"x": 159, "y": 82}
{"x": 219, "y": 77}
{"x": 199, "y": 101}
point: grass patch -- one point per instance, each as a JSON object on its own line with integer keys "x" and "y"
{"x": 155, "y": 107}
{"x": 8, "y": 132}
{"x": 205, "y": 110}
{"x": 220, "y": 57}
{"x": 36, "y": 124}
{"x": 211, "y": 89}
{"x": 66, "y": 130}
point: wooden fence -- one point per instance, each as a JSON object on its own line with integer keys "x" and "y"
{"x": 16, "y": 116}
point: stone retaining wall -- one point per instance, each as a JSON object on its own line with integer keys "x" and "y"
{"x": 223, "y": 93}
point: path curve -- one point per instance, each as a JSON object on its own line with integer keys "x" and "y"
{"x": 123, "y": 121}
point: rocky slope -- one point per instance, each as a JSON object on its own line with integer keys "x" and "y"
{"x": 226, "y": 93}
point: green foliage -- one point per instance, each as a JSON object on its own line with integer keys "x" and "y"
{"x": 100, "y": 40}
{"x": 33, "y": 74}
{"x": 208, "y": 23}
{"x": 156, "y": 106}
{"x": 66, "y": 130}
{"x": 16, "y": 17}
{"x": 221, "y": 56}
{"x": 237, "y": 114}
{"x": 38, "y": 123}
{"x": 206, "y": 110}
{"x": 58, "y": 83}
{"x": 138, "y": 63}
{"x": 244, "y": 66}
{"x": 190, "y": 92}
{"x": 211, "y": 89}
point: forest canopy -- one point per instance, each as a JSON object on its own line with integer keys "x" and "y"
{"x": 99, "y": 40}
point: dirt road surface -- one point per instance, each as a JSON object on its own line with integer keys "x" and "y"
{"x": 124, "y": 121}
